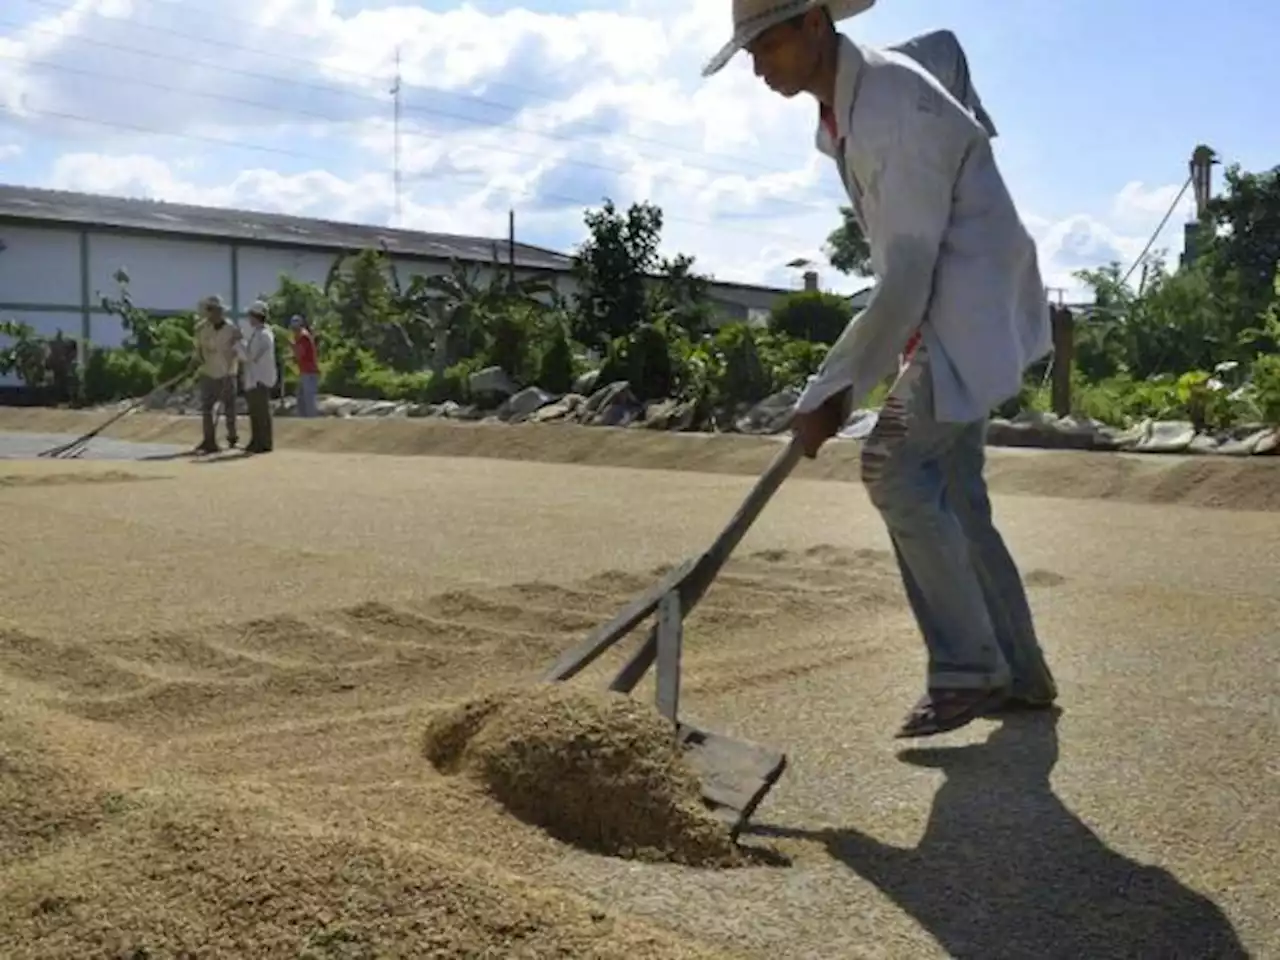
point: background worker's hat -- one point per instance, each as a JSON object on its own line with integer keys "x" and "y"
{"x": 753, "y": 17}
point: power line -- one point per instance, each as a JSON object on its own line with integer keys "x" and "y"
{"x": 1168, "y": 213}
{"x": 283, "y": 151}
{"x": 244, "y": 101}
{"x": 277, "y": 55}
{"x": 817, "y": 205}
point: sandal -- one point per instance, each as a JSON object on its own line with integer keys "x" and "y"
{"x": 940, "y": 711}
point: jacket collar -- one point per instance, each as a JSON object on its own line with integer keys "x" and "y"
{"x": 849, "y": 65}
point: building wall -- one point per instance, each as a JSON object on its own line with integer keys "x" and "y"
{"x": 55, "y": 278}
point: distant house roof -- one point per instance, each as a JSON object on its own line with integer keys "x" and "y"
{"x": 32, "y": 205}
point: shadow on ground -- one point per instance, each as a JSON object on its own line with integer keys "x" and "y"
{"x": 1005, "y": 871}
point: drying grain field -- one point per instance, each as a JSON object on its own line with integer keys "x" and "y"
{"x": 215, "y": 680}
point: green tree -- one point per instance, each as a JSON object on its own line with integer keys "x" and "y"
{"x": 612, "y": 268}
{"x": 680, "y": 296}
{"x": 847, "y": 248}
{"x": 555, "y": 366}
{"x": 1242, "y": 239}
{"x": 26, "y": 353}
{"x": 362, "y": 290}
{"x": 813, "y": 315}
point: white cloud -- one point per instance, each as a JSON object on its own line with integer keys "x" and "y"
{"x": 1136, "y": 203}
{"x": 10, "y": 150}
{"x": 543, "y": 113}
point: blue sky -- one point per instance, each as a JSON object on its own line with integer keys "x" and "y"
{"x": 546, "y": 106}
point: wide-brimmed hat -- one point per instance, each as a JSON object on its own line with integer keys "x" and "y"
{"x": 753, "y": 17}
{"x": 257, "y": 309}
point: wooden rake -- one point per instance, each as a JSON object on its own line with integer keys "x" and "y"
{"x": 77, "y": 447}
{"x": 735, "y": 774}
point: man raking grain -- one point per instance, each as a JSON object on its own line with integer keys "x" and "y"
{"x": 959, "y": 309}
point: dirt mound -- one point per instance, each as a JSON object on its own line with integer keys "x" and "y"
{"x": 598, "y": 770}
{"x": 182, "y": 877}
{"x": 42, "y": 800}
{"x": 1244, "y": 483}
{"x": 65, "y": 479}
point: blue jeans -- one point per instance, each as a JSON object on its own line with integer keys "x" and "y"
{"x": 926, "y": 479}
{"x": 308, "y": 386}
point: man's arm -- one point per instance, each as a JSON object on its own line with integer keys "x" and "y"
{"x": 909, "y": 203}
{"x": 261, "y": 344}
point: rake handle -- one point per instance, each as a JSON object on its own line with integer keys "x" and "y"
{"x": 85, "y": 438}
{"x": 708, "y": 566}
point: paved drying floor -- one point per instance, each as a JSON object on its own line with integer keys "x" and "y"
{"x": 263, "y": 638}
{"x": 24, "y": 446}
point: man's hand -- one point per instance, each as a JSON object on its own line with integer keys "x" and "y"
{"x": 816, "y": 427}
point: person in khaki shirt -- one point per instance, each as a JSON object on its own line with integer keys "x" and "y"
{"x": 217, "y": 343}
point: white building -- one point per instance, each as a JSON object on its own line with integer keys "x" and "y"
{"x": 59, "y": 254}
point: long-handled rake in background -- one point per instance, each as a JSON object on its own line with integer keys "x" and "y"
{"x": 735, "y": 774}
{"x": 74, "y": 448}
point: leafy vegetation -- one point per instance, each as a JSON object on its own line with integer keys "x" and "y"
{"x": 1199, "y": 342}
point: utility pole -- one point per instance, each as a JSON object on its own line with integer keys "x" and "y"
{"x": 511, "y": 246}
{"x": 395, "y": 134}
{"x": 1203, "y": 160}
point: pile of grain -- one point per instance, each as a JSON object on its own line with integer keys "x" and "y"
{"x": 186, "y": 875}
{"x": 598, "y": 770}
{"x": 42, "y": 800}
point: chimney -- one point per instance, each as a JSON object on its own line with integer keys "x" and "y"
{"x": 811, "y": 281}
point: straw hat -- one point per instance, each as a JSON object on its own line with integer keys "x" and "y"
{"x": 753, "y": 17}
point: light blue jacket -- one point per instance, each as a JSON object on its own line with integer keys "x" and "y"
{"x": 951, "y": 256}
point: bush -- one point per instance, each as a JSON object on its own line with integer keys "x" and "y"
{"x": 556, "y": 365}
{"x": 811, "y": 315}
{"x": 454, "y": 384}
{"x": 1265, "y": 387}
{"x": 117, "y": 374}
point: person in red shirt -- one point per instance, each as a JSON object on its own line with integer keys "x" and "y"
{"x": 304, "y": 354}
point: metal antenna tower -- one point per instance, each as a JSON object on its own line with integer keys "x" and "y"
{"x": 395, "y": 94}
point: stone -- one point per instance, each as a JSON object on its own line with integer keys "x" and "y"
{"x": 520, "y": 406}
{"x": 1038, "y": 429}
{"x": 770, "y": 415}
{"x": 586, "y": 383}
{"x": 563, "y": 409}
{"x": 669, "y": 414}
{"x": 492, "y": 382}
{"x": 1167, "y": 436}
{"x": 1268, "y": 445}
{"x": 612, "y": 406}
{"x": 1204, "y": 443}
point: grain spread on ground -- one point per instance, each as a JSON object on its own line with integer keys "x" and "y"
{"x": 598, "y": 770}
{"x": 211, "y": 733}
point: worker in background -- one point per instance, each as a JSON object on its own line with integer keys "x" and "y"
{"x": 217, "y": 343}
{"x": 260, "y": 375}
{"x": 304, "y": 355}
{"x": 960, "y": 299}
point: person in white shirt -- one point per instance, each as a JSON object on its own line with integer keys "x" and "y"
{"x": 959, "y": 309}
{"x": 260, "y": 376}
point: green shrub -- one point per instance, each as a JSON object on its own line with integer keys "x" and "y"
{"x": 1265, "y": 388}
{"x": 556, "y": 365}
{"x": 812, "y": 315}
{"x": 117, "y": 374}
{"x": 454, "y": 384}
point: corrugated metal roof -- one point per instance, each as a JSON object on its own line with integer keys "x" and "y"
{"x": 86, "y": 209}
